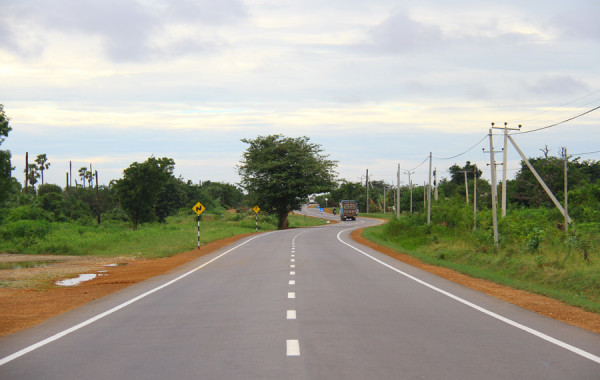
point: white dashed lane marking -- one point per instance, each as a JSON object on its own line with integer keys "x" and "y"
{"x": 291, "y": 314}
{"x": 291, "y": 295}
{"x": 293, "y": 347}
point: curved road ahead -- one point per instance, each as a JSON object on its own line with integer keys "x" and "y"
{"x": 300, "y": 304}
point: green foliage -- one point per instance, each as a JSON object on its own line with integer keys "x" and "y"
{"x": 150, "y": 240}
{"x": 228, "y": 196}
{"x": 280, "y": 172}
{"x": 5, "y": 128}
{"x": 141, "y": 185}
{"x": 7, "y": 187}
{"x": 534, "y": 239}
{"x": 534, "y": 253}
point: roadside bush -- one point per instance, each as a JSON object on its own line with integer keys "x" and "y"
{"x": 452, "y": 213}
{"x": 27, "y": 212}
{"x": 26, "y": 229}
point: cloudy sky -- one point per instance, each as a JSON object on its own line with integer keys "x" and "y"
{"x": 376, "y": 83}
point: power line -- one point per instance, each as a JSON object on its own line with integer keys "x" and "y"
{"x": 531, "y": 117}
{"x": 422, "y": 162}
{"x": 561, "y": 122}
{"x": 580, "y": 154}
{"x": 466, "y": 151}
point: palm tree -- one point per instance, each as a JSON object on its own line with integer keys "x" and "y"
{"x": 43, "y": 164}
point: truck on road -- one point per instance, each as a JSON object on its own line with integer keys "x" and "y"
{"x": 348, "y": 209}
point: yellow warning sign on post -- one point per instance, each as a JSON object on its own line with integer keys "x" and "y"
{"x": 199, "y": 208}
{"x": 256, "y": 209}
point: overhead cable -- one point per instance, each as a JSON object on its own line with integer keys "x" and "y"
{"x": 561, "y": 122}
{"x": 466, "y": 151}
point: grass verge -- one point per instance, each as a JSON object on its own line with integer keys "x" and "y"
{"x": 151, "y": 240}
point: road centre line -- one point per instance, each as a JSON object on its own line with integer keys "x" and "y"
{"x": 291, "y": 314}
{"x": 292, "y": 282}
{"x": 291, "y": 295}
{"x": 499, "y": 317}
{"x": 63, "y": 333}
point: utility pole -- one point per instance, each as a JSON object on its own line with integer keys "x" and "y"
{"x": 494, "y": 185}
{"x": 367, "y": 191}
{"x": 466, "y": 186}
{"x": 410, "y": 187}
{"x": 566, "y": 159}
{"x": 429, "y": 193}
{"x": 398, "y": 194}
{"x": 474, "y": 198}
{"x": 505, "y": 163}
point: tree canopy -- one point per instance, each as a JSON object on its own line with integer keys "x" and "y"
{"x": 279, "y": 173}
{"x": 141, "y": 185}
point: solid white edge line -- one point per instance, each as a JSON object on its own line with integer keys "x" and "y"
{"x": 539, "y": 334}
{"x": 292, "y": 347}
{"x": 116, "y": 308}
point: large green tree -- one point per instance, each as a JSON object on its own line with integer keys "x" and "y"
{"x": 139, "y": 189}
{"x": 280, "y": 172}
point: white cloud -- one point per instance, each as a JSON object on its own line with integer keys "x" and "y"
{"x": 120, "y": 80}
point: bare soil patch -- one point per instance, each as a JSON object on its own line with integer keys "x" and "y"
{"x": 29, "y": 296}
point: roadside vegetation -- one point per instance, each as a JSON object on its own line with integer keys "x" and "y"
{"x": 534, "y": 253}
{"x": 178, "y": 233}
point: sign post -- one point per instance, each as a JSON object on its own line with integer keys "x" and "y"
{"x": 256, "y": 209}
{"x": 199, "y": 209}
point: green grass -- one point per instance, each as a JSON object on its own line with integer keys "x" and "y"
{"x": 548, "y": 271}
{"x": 151, "y": 240}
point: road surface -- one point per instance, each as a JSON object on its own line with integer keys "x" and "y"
{"x": 300, "y": 304}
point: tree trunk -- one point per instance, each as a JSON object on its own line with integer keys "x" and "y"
{"x": 282, "y": 220}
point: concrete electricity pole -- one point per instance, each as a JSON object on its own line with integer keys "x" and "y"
{"x": 466, "y": 185}
{"x": 474, "y": 198}
{"x": 429, "y": 193}
{"x": 505, "y": 163}
{"x": 494, "y": 185}
{"x": 566, "y": 159}
{"x": 410, "y": 187}
{"x": 398, "y": 194}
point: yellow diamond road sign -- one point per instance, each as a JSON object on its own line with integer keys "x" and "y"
{"x": 199, "y": 208}
{"x": 256, "y": 209}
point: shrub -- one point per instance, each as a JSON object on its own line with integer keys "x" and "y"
{"x": 27, "y": 229}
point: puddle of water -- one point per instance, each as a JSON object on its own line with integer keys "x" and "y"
{"x": 27, "y": 264}
{"x": 116, "y": 265}
{"x": 78, "y": 280}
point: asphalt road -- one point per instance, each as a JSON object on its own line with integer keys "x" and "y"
{"x": 300, "y": 304}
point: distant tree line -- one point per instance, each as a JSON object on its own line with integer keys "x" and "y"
{"x": 148, "y": 192}
{"x": 522, "y": 192}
